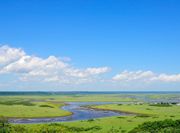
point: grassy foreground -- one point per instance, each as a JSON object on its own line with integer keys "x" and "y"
{"x": 109, "y": 124}
{"x": 124, "y": 123}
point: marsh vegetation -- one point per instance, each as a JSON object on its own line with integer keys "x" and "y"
{"x": 163, "y": 114}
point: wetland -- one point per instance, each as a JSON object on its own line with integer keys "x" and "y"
{"x": 92, "y": 112}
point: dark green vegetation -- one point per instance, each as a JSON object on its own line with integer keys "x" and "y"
{"x": 143, "y": 116}
{"x": 24, "y": 103}
{"x": 161, "y": 105}
{"x": 3, "y": 121}
{"x": 46, "y": 106}
{"x": 45, "y": 128}
{"x": 165, "y": 126}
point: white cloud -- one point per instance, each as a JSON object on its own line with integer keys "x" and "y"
{"x": 31, "y": 65}
{"x": 26, "y": 67}
{"x": 85, "y": 72}
{"x": 8, "y": 54}
{"x": 64, "y": 58}
{"x": 102, "y": 81}
{"x": 3, "y": 85}
{"x": 23, "y": 78}
{"x": 64, "y": 81}
{"x": 78, "y": 76}
{"x": 166, "y": 78}
{"x": 141, "y": 79}
{"x": 82, "y": 80}
{"x": 51, "y": 79}
{"x": 133, "y": 75}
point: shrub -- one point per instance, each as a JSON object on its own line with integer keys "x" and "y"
{"x": 161, "y": 105}
{"x": 157, "y": 126}
{"x": 46, "y": 128}
{"x": 143, "y": 116}
{"x": 121, "y": 117}
{"x": 90, "y": 120}
{"x": 46, "y": 106}
{"x": 11, "y": 103}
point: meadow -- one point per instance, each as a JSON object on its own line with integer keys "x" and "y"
{"x": 110, "y": 124}
{"x": 36, "y": 105}
{"x": 39, "y": 109}
{"x": 70, "y": 98}
{"x": 146, "y": 108}
{"x": 45, "y": 106}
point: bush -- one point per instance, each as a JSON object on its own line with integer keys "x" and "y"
{"x": 46, "y": 128}
{"x": 143, "y": 116}
{"x": 90, "y": 120}
{"x": 46, "y": 106}
{"x": 121, "y": 117}
{"x": 11, "y": 103}
{"x": 157, "y": 126}
{"x": 161, "y": 105}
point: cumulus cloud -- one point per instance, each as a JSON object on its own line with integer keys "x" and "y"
{"x": 77, "y": 76}
{"x": 133, "y": 75}
{"x": 85, "y": 72}
{"x": 32, "y": 65}
{"x": 166, "y": 78}
{"x": 51, "y": 79}
{"x": 8, "y": 54}
{"x": 140, "y": 78}
{"x": 64, "y": 58}
{"x": 51, "y": 69}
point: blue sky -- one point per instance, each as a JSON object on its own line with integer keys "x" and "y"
{"x": 128, "y": 45}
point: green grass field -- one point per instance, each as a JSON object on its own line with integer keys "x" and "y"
{"x": 157, "y": 96}
{"x": 36, "y": 111}
{"x": 142, "y": 109}
{"x": 109, "y": 124}
{"x": 125, "y": 123}
{"x": 33, "y": 111}
{"x": 71, "y": 98}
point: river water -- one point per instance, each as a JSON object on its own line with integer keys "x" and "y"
{"x": 81, "y": 113}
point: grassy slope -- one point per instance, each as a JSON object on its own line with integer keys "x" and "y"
{"x": 33, "y": 111}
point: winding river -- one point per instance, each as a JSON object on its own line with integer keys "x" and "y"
{"x": 81, "y": 113}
